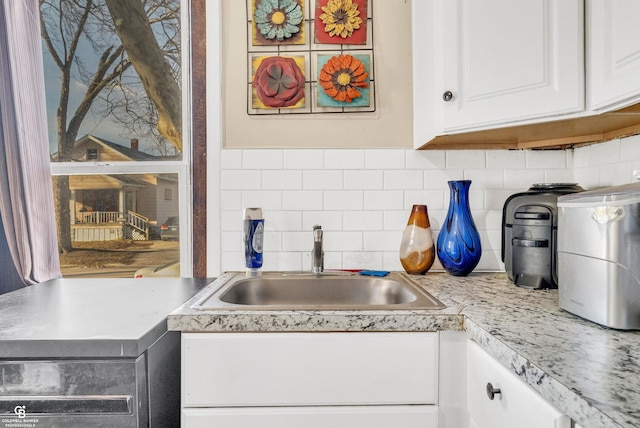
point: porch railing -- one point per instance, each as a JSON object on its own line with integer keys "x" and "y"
{"x": 138, "y": 222}
{"x": 98, "y": 217}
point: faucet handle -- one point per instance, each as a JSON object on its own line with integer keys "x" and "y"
{"x": 317, "y": 232}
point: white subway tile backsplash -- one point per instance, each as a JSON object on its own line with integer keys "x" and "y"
{"x": 302, "y": 200}
{"x": 382, "y": 241}
{"x": 614, "y": 175}
{"x": 466, "y": 159}
{"x": 546, "y": 159}
{"x": 230, "y": 200}
{"x": 506, "y": 159}
{"x": 588, "y": 177}
{"x": 426, "y": 159}
{"x": 362, "y": 260}
{"x": 241, "y": 180}
{"x": 485, "y": 178}
{"x": 383, "y": 199}
{"x": 265, "y": 199}
{"x": 283, "y": 220}
{"x": 363, "y": 198}
{"x": 630, "y": 148}
{"x": 433, "y": 199}
{"x": 329, "y": 220}
{"x": 384, "y": 159}
{"x": 303, "y": 159}
{"x": 581, "y": 157}
{"x": 344, "y": 159}
{"x": 437, "y": 179}
{"x": 495, "y": 199}
{"x": 363, "y": 179}
{"x": 363, "y": 220}
{"x": 343, "y": 241}
{"x": 322, "y": 180}
{"x": 262, "y": 159}
{"x": 605, "y": 154}
{"x": 403, "y": 179}
{"x": 281, "y": 180}
{"x": 297, "y": 241}
{"x": 231, "y": 159}
{"x": 523, "y": 179}
{"x": 559, "y": 176}
{"x": 347, "y": 200}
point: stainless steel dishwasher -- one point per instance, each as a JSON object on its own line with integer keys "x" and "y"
{"x": 114, "y": 392}
{"x": 92, "y": 353}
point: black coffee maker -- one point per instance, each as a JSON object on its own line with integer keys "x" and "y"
{"x": 529, "y": 234}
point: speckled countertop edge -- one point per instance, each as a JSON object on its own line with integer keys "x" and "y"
{"x": 589, "y": 372}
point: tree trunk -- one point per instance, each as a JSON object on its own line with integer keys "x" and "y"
{"x": 61, "y": 199}
{"x": 134, "y": 30}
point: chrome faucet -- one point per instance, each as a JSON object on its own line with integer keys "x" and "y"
{"x": 317, "y": 254}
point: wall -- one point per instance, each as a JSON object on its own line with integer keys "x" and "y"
{"x": 362, "y": 198}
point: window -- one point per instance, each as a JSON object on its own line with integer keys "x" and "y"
{"x": 118, "y": 143}
{"x": 92, "y": 154}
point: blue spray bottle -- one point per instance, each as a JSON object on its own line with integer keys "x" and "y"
{"x": 253, "y": 240}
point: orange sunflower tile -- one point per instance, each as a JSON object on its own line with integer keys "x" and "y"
{"x": 341, "y": 22}
{"x": 343, "y": 80}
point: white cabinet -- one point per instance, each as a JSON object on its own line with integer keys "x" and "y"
{"x": 313, "y": 417}
{"x": 290, "y": 379}
{"x": 516, "y": 404}
{"x": 613, "y": 41}
{"x": 482, "y": 64}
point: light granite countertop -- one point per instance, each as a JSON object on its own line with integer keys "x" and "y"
{"x": 589, "y": 372}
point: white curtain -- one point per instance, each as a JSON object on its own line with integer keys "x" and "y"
{"x": 26, "y": 196}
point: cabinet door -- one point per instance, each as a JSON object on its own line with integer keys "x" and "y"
{"x": 613, "y": 42}
{"x": 308, "y": 369}
{"x": 510, "y": 61}
{"x": 517, "y": 404}
{"x": 313, "y": 417}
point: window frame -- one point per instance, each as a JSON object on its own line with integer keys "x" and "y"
{"x": 191, "y": 170}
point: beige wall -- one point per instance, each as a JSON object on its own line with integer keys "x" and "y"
{"x": 389, "y": 126}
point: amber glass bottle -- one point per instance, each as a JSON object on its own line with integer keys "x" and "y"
{"x": 417, "y": 250}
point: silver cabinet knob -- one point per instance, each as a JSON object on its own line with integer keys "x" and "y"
{"x": 492, "y": 392}
{"x": 447, "y": 96}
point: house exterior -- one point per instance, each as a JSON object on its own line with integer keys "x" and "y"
{"x": 115, "y": 206}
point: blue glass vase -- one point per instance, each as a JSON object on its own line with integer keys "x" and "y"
{"x": 458, "y": 246}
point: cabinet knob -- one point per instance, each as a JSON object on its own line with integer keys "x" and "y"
{"x": 447, "y": 96}
{"x": 492, "y": 392}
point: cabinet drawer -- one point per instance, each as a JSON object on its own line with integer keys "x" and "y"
{"x": 516, "y": 405}
{"x": 313, "y": 417}
{"x": 280, "y": 369}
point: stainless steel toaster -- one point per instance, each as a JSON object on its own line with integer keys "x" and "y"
{"x": 599, "y": 255}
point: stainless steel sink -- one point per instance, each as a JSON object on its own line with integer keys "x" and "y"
{"x": 327, "y": 291}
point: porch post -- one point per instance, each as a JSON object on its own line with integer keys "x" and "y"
{"x": 73, "y": 207}
{"x": 121, "y": 204}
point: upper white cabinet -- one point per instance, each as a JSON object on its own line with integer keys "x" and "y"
{"x": 507, "y": 61}
{"x": 613, "y": 41}
{"x": 493, "y": 63}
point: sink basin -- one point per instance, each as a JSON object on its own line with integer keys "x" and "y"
{"x": 289, "y": 291}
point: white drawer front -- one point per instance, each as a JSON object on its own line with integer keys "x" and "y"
{"x": 276, "y": 369}
{"x": 517, "y": 405}
{"x": 313, "y": 417}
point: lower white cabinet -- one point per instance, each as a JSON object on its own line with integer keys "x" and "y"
{"x": 309, "y": 379}
{"x": 313, "y": 417}
{"x": 514, "y": 403}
